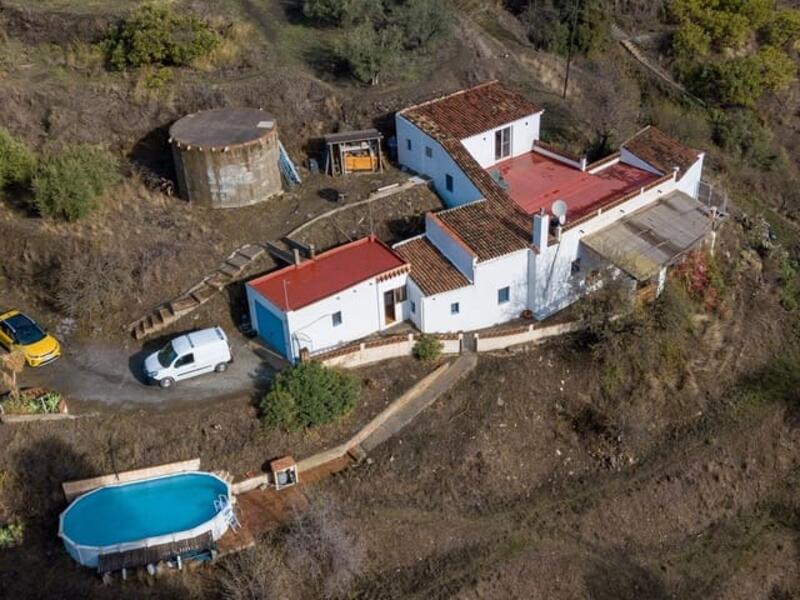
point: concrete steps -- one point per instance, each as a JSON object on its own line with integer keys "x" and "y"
{"x": 164, "y": 315}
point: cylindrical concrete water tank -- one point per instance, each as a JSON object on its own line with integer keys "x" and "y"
{"x": 226, "y": 157}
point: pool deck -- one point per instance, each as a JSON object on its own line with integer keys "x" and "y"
{"x": 259, "y": 512}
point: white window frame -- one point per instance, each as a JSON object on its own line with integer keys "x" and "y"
{"x": 507, "y": 290}
{"x": 336, "y": 318}
{"x": 502, "y": 143}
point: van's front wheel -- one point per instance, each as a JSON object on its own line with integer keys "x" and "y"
{"x": 221, "y": 368}
{"x": 166, "y": 382}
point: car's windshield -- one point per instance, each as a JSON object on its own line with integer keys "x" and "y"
{"x": 166, "y": 355}
{"x": 25, "y": 331}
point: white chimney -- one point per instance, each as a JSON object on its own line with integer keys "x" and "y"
{"x": 541, "y": 229}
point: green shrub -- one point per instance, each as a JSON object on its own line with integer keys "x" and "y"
{"x": 740, "y": 134}
{"x": 308, "y": 395}
{"x": 16, "y": 160}
{"x": 155, "y": 34}
{"x": 11, "y": 535}
{"x": 428, "y": 349}
{"x": 741, "y": 81}
{"x": 370, "y": 53}
{"x": 342, "y": 12}
{"x": 691, "y": 41}
{"x": 784, "y": 29}
{"x": 67, "y": 183}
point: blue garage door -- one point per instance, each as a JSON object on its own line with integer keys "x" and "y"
{"x": 270, "y": 329}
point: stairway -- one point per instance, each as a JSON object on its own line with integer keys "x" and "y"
{"x": 164, "y": 315}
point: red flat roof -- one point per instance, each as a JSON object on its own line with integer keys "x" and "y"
{"x": 536, "y": 181}
{"x": 327, "y": 274}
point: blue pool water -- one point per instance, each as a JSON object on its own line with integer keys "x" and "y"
{"x": 144, "y": 509}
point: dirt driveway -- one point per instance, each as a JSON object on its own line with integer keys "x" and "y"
{"x": 109, "y": 376}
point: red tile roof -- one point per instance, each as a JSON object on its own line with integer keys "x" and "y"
{"x": 430, "y": 269}
{"x": 661, "y": 151}
{"x": 471, "y": 111}
{"x": 296, "y": 286}
{"x": 536, "y": 181}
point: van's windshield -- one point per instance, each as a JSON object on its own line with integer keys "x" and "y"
{"x": 167, "y": 355}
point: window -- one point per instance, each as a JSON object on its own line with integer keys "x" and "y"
{"x": 576, "y": 266}
{"x": 502, "y": 143}
{"x": 455, "y": 308}
{"x": 428, "y": 151}
{"x": 413, "y": 307}
{"x": 337, "y": 318}
{"x": 400, "y": 294}
{"x": 408, "y": 145}
{"x": 448, "y": 182}
{"x": 184, "y": 361}
{"x": 503, "y": 295}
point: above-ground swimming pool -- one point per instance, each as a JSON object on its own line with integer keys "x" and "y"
{"x": 150, "y": 512}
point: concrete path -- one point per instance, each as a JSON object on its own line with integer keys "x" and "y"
{"x": 463, "y": 365}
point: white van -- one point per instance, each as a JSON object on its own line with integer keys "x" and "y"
{"x": 188, "y": 356}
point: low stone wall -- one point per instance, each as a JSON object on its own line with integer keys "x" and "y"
{"x": 500, "y": 339}
{"x": 372, "y": 351}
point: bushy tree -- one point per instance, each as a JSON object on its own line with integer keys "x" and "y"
{"x": 742, "y": 80}
{"x": 550, "y": 25}
{"x": 729, "y": 23}
{"x": 422, "y": 21}
{"x": 67, "y": 182}
{"x": 156, "y": 34}
{"x": 370, "y": 53}
{"x": 691, "y": 41}
{"x": 16, "y": 160}
{"x": 308, "y": 395}
{"x": 784, "y": 28}
{"x": 741, "y": 134}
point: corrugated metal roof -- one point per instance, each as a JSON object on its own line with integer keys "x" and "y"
{"x": 652, "y": 237}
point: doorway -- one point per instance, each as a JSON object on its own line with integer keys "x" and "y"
{"x": 388, "y": 307}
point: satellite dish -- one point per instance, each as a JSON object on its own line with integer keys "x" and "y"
{"x": 559, "y": 210}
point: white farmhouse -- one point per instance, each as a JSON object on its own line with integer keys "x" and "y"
{"x": 526, "y": 229}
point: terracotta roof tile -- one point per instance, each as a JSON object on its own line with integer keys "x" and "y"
{"x": 430, "y": 269}
{"x": 471, "y": 111}
{"x": 661, "y": 151}
{"x": 496, "y": 226}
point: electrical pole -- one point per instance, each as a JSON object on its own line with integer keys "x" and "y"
{"x": 571, "y": 43}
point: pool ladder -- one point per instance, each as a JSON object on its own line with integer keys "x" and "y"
{"x": 223, "y": 505}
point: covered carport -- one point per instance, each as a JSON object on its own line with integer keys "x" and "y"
{"x": 643, "y": 244}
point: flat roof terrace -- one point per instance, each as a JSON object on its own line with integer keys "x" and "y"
{"x": 536, "y": 181}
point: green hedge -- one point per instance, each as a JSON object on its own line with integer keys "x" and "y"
{"x": 308, "y": 395}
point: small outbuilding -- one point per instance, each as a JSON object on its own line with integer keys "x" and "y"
{"x": 227, "y": 157}
{"x": 339, "y": 296}
{"x": 353, "y": 152}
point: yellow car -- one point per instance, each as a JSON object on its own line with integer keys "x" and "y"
{"x": 20, "y": 332}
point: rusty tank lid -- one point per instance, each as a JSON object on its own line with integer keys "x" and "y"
{"x": 221, "y": 128}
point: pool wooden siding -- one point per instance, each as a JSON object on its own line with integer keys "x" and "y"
{"x": 73, "y": 489}
{"x": 140, "y": 557}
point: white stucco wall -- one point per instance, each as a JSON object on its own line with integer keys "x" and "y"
{"x": 627, "y": 157}
{"x": 454, "y": 251}
{"x": 437, "y": 167}
{"x": 478, "y": 302}
{"x": 553, "y": 285}
{"x": 689, "y": 183}
{"x": 523, "y": 134}
{"x": 362, "y": 315}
